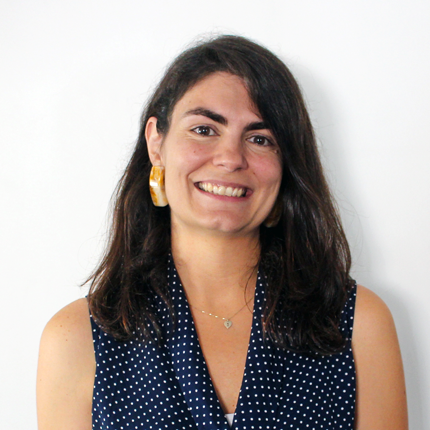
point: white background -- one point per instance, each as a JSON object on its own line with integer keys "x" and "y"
{"x": 73, "y": 79}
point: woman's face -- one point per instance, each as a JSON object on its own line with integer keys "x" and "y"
{"x": 222, "y": 165}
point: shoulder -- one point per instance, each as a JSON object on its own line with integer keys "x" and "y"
{"x": 66, "y": 369}
{"x": 74, "y": 318}
{"x": 374, "y": 339}
{"x": 67, "y": 338}
{"x": 372, "y": 317}
{"x": 381, "y": 397}
{"x": 69, "y": 330}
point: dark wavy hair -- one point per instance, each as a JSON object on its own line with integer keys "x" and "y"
{"x": 305, "y": 257}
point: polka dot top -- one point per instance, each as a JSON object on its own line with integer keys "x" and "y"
{"x": 143, "y": 386}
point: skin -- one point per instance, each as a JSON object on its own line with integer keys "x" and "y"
{"x": 212, "y": 138}
{"x": 65, "y": 374}
{"x": 381, "y": 391}
{"x": 216, "y": 136}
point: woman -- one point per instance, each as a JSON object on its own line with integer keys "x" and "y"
{"x": 226, "y": 300}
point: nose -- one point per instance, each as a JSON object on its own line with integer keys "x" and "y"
{"x": 230, "y": 154}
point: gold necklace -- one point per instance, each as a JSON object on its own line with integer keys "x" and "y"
{"x": 227, "y": 321}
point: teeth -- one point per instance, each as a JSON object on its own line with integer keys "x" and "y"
{"x": 221, "y": 190}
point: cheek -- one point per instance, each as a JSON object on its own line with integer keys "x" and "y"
{"x": 270, "y": 173}
{"x": 185, "y": 159}
{"x": 181, "y": 166}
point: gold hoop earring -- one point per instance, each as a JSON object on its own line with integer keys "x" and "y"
{"x": 156, "y": 186}
{"x": 274, "y": 215}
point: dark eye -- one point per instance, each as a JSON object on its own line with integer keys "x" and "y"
{"x": 260, "y": 140}
{"x": 204, "y": 130}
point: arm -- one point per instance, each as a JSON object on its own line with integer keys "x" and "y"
{"x": 381, "y": 394}
{"x": 65, "y": 375}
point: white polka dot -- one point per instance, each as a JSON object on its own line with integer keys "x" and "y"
{"x": 145, "y": 386}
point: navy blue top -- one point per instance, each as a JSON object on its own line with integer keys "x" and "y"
{"x": 143, "y": 386}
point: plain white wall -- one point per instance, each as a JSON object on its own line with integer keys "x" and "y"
{"x": 73, "y": 79}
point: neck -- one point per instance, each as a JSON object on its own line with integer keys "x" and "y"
{"x": 216, "y": 268}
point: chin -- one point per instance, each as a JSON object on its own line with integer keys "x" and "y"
{"x": 232, "y": 227}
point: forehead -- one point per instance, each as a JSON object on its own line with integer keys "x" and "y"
{"x": 219, "y": 90}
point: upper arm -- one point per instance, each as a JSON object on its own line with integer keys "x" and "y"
{"x": 381, "y": 393}
{"x": 66, "y": 369}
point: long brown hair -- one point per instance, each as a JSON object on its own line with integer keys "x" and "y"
{"x": 305, "y": 257}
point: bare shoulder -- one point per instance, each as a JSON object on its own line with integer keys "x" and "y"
{"x": 372, "y": 317}
{"x": 381, "y": 396}
{"x": 68, "y": 337}
{"x": 66, "y": 370}
{"x": 70, "y": 323}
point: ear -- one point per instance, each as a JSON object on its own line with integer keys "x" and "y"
{"x": 154, "y": 139}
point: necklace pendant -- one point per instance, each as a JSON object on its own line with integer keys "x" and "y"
{"x": 228, "y": 323}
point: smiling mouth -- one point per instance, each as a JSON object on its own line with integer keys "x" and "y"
{"x": 221, "y": 190}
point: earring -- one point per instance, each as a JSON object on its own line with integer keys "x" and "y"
{"x": 274, "y": 215}
{"x": 156, "y": 186}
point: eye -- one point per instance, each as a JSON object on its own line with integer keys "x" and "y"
{"x": 204, "y": 130}
{"x": 260, "y": 140}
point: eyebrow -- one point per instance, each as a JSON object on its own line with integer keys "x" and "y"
{"x": 207, "y": 113}
{"x": 257, "y": 125}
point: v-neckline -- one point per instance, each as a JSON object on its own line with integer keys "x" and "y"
{"x": 192, "y": 357}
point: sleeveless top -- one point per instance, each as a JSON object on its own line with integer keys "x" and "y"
{"x": 146, "y": 386}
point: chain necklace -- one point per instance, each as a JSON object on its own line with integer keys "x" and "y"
{"x": 227, "y": 321}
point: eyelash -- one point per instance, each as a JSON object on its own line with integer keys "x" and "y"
{"x": 259, "y": 136}
{"x": 212, "y": 132}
